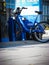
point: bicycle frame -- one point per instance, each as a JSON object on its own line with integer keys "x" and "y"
{"x": 19, "y": 19}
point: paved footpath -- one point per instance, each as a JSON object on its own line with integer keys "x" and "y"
{"x": 34, "y": 54}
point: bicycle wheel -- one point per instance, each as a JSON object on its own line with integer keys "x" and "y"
{"x": 42, "y": 32}
{"x": 18, "y": 30}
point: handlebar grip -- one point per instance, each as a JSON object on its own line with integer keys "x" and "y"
{"x": 24, "y": 8}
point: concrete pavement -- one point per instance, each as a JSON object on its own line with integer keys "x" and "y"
{"x": 19, "y": 43}
{"x": 33, "y": 54}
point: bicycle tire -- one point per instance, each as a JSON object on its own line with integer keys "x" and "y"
{"x": 40, "y": 35}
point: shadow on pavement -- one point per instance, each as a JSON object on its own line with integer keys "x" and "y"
{"x": 19, "y": 43}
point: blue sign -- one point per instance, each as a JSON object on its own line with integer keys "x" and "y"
{"x": 27, "y": 2}
{"x": 32, "y": 6}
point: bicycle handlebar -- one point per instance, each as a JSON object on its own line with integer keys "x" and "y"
{"x": 18, "y": 10}
{"x": 24, "y": 8}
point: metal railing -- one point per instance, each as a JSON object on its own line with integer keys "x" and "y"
{"x": 44, "y": 18}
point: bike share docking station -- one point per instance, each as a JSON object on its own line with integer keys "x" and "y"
{"x": 32, "y": 6}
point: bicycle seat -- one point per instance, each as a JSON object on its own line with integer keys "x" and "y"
{"x": 39, "y": 12}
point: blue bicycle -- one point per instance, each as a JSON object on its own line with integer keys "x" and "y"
{"x": 40, "y": 30}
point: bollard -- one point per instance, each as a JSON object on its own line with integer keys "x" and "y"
{"x": 11, "y": 29}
